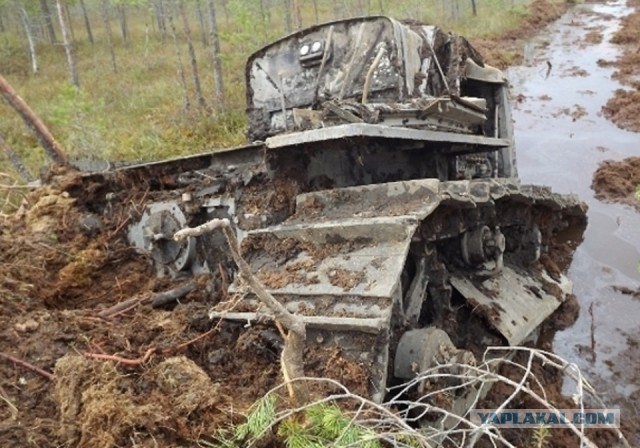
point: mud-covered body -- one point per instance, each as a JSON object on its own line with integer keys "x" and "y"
{"x": 381, "y": 201}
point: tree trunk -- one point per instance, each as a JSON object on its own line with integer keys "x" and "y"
{"x": 288, "y": 19}
{"x": 2, "y": 28}
{"x": 68, "y": 46}
{"x": 46, "y": 13}
{"x": 67, "y": 15}
{"x": 474, "y": 8}
{"x": 203, "y": 24}
{"x": 183, "y": 78}
{"x": 192, "y": 55}
{"x": 107, "y": 26}
{"x": 315, "y": 12}
{"x": 338, "y": 9}
{"x": 15, "y": 160}
{"x": 50, "y": 145}
{"x": 87, "y": 24}
{"x": 215, "y": 52}
{"x": 297, "y": 15}
{"x": 30, "y": 40}
{"x": 124, "y": 28}
{"x": 162, "y": 24}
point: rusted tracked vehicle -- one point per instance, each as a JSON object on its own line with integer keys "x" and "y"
{"x": 379, "y": 200}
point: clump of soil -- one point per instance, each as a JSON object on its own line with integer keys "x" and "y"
{"x": 576, "y": 112}
{"x": 593, "y": 37}
{"x": 624, "y": 108}
{"x": 618, "y": 181}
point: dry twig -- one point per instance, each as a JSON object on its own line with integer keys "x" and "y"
{"x": 292, "y": 354}
{"x": 28, "y": 365}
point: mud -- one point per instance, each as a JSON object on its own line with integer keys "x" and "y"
{"x": 140, "y": 377}
{"x": 624, "y": 107}
{"x": 557, "y": 150}
{"x": 507, "y": 50}
{"x": 618, "y": 181}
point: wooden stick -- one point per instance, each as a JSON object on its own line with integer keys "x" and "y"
{"x": 292, "y": 359}
{"x": 164, "y": 298}
{"x": 119, "y": 308}
{"x": 289, "y": 320}
{"x": 29, "y": 366}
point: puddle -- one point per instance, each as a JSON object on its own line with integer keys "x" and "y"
{"x": 561, "y": 138}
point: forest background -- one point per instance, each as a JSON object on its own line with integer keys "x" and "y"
{"x": 135, "y": 80}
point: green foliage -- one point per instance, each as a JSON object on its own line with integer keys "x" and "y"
{"x": 318, "y": 426}
{"x": 541, "y": 437}
{"x": 137, "y": 113}
{"x": 638, "y": 192}
{"x": 260, "y": 418}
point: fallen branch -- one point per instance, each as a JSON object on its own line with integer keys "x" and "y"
{"x": 164, "y": 298}
{"x": 29, "y": 366}
{"x": 120, "y": 308}
{"x": 289, "y": 320}
{"x": 291, "y": 359}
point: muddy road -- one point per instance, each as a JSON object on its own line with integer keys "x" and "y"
{"x": 561, "y": 138}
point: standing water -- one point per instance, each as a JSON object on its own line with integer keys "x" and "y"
{"x": 561, "y": 138}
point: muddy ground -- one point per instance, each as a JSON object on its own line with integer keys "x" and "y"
{"x": 563, "y": 138}
{"x": 109, "y": 375}
{"x": 624, "y": 107}
{"x": 618, "y": 181}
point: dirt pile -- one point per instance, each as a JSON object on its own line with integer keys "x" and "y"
{"x": 618, "y": 181}
{"x": 624, "y": 107}
{"x": 62, "y": 267}
{"x": 101, "y": 407}
{"x": 85, "y": 359}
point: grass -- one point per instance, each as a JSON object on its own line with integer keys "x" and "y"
{"x": 138, "y": 113}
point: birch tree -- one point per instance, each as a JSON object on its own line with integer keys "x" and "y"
{"x": 87, "y": 24}
{"x": 46, "y": 13}
{"x": 192, "y": 56}
{"x": 178, "y": 53}
{"x": 124, "y": 27}
{"x": 158, "y": 8}
{"x": 30, "y": 40}
{"x": 215, "y": 52}
{"x": 68, "y": 45}
{"x": 104, "y": 10}
{"x": 288, "y": 19}
{"x": 203, "y": 24}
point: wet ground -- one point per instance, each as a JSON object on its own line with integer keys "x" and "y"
{"x": 561, "y": 138}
